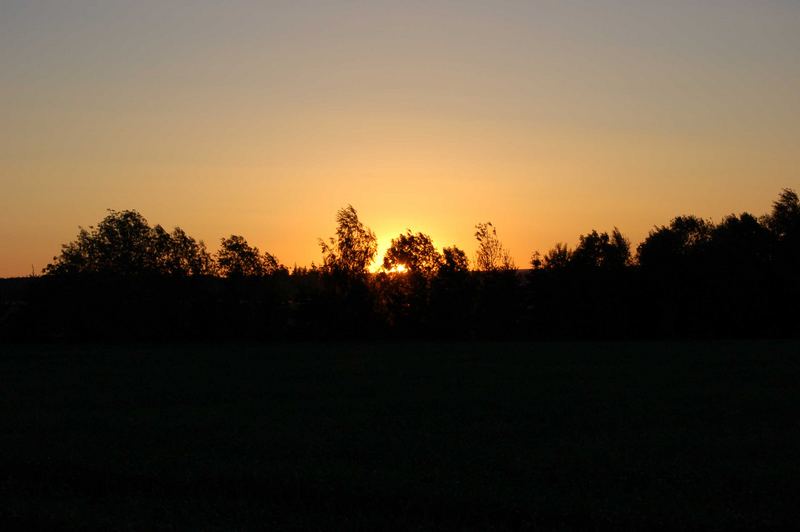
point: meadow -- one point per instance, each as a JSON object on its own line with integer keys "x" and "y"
{"x": 412, "y": 436}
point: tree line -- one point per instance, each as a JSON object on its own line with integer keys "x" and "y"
{"x": 126, "y": 279}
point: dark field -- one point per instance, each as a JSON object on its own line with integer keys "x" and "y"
{"x": 401, "y": 436}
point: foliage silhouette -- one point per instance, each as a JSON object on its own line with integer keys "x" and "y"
{"x": 345, "y": 302}
{"x": 454, "y": 261}
{"x": 784, "y": 220}
{"x": 352, "y": 250}
{"x": 414, "y": 300}
{"x": 125, "y": 279}
{"x": 670, "y": 247}
{"x": 496, "y": 307}
{"x": 583, "y": 292}
{"x": 556, "y": 258}
{"x": 182, "y": 254}
{"x": 784, "y": 224}
{"x": 453, "y": 300}
{"x": 123, "y": 243}
{"x": 236, "y": 258}
{"x": 415, "y": 252}
{"x": 601, "y": 250}
{"x": 491, "y": 255}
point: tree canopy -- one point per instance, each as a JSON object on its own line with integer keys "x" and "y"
{"x": 454, "y": 260}
{"x": 236, "y": 258}
{"x": 601, "y": 250}
{"x": 669, "y": 246}
{"x": 123, "y": 243}
{"x": 415, "y": 252}
{"x": 784, "y": 220}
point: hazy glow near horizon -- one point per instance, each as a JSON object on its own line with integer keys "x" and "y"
{"x": 548, "y": 118}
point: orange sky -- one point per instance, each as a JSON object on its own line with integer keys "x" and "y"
{"x": 262, "y": 119}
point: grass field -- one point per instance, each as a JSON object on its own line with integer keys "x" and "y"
{"x": 401, "y": 436}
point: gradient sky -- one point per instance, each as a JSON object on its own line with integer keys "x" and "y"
{"x": 549, "y": 118}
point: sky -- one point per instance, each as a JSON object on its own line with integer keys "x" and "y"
{"x": 548, "y": 118}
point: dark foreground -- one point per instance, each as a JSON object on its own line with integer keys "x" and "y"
{"x": 401, "y": 436}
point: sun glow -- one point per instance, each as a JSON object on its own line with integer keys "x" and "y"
{"x": 626, "y": 115}
{"x": 398, "y": 268}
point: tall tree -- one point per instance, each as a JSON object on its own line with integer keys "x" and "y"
{"x": 491, "y": 255}
{"x": 353, "y": 248}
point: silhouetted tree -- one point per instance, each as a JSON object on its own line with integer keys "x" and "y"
{"x": 236, "y": 258}
{"x": 740, "y": 241}
{"x": 180, "y": 254}
{"x": 453, "y": 294}
{"x": 354, "y": 247}
{"x": 404, "y": 298}
{"x": 581, "y": 292}
{"x": 556, "y": 258}
{"x": 675, "y": 269}
{"x": 415, "y": 252}
{"x": 601, "y": 250}
{"x": 784, "y": 223}
{"x": 491, "y": 255}
{"x": 346, "y": 305}
{"x": 126, "y": 279}
{"x": 784, "y": 220}
{"x": 737, "y": 275}
{"x": 454, "y": 261}
{"x": 123, "y": 243}
{"x": 496, "y": 302}
{"x": 667, "y": 246}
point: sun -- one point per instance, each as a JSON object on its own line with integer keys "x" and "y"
{"x": 398, "y": 268}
